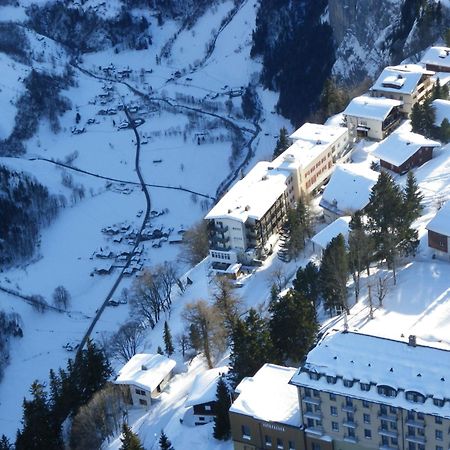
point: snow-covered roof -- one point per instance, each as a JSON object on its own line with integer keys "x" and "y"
{"x": 145, "y": 371}
{"x": 437, "y": 56}
{"x": 269, "y": 396}
{"x": 401, "y": 145}
{"x": 253, "y": 195}
{"x": 440, "y": 223}
{"x": 204, "y": 388}
{"x": 442, "y": 111}
{"x": 401, "y": 79}
{"x": 315, "y": 133}
{"x": 349, "y": 188}
{"x": 379, "y": 362}
{"x": 377, "y": 108}
{"x": 339, "y": 226}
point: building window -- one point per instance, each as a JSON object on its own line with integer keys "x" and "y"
{"x": 438, "y": 435}
{"x": 392, "y": 409}
{"x": 202, "y": 419}
{"x": 316, "y": 393}
{"x": 415, "y": 397}
{"x": 333, "y": 397}
{"x": 291, "y": 445}
{"x": 333, "y": 410}
{"x": 315, "y": 446}
{"x": 439, "y": 447}
{"x": 142, "y": 402}
{"x": 140, "y": 392}
{"x": 384, "y": 440}
{"x": 331, "y": 380}
{"x": 268, "y": 441}
{"x": 314, "y": 375}
{"x": 367, "y": 433}
{"x": 438, "y": 420}
{"x": 364, "y": 386}
{"x": 307, "y": 392}
{"x": 365, "y": 404}
{"x": 348, "y": 383}
{"x": 394, "y": 441}
{"x": 420, "y": 416}
{"x": 387, "y": 391}
{"x": 438, "y": 402}
{"x": 279, "y": 443}
{"x": 246, "y": 432}
{"x": 334, "y": 426}
{"x": 351, "y": 432}
{"x": 308, "y": 407}
{"x": 207, "y": 407}
{"x": 366, "y": 418}
{"x": 348, "y": 401}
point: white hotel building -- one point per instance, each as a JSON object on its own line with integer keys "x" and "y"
{"x": 245, "y": 223}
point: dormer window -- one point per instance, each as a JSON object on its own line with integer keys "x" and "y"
{"x": 348, "y": 383}
{"x": 331, "y": 380}
{"x": 314, "y": 375}
{"x": 386, "y": 391}
{"x": 364, "y": 386}
{"x": 415, "y": 397}
{"x": 438, "y": 402}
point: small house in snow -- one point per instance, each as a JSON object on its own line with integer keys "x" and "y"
{"x": 404, "y": 150}
{"x": 321, "y": 240}
{"x": 372, "y": 117}
{"x": 439, "y": 232}
{"x": 347, "y": 191}
{"x": 203, "y": 395}
{"x": 437, "y": 59}
{"x": 145, "y": 375}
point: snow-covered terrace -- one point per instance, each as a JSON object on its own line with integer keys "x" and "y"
{"x": 268, "y": 396}
{"x": 376, "y": 108}
{"x": 379, "y": 362}
{"x": 349, "y": 188}
{"x": 145, "y": 371}
{"x": 401, "y": 145}
{"x": 253, "y": 195}
{"x": 402, "y": 79}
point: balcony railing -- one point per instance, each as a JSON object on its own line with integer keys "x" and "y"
{"x": 388, "y": 417}
{"x": 415, "y": 423}
{"x": 312, "y": 400}
{"x": 348, "y": 408}
{"x": 350, "y": 423}
{"x": 415, "y": 438}
{"x": 386, "y": 432}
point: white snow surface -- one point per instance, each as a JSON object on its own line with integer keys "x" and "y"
{"x": 324, "y": 236}
{"x": 204, "y": 388}
{"x": 440, "y": 223}
{"x": 442, "y": 111}
{"x": 377, "y": 108}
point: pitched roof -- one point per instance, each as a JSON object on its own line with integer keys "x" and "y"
{"x": 145, "y": 371}
{"x": 442, "y": 111}
{"x": 401, "y": 79}
{"x": 377, "y": 108}
{"x": 440, "y": 223}
{"x": 268, "y": 396}
{"x": 401, "y": 145}
{"x": 339, "y": 226}
{"x": 437, "y": 56}
{"x": 349, "y": 188}
{"x": 204, "y": 388}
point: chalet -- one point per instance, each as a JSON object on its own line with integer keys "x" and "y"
{"x": 437, "y": 59}
{"x": 104, "y": 270}
{"x": 408, "y": 83}
{"x": 203, "y": 395}
{"x": 321, "y": 240}
{"x": 372, "y": 117}
{"x": 347, "y": 191}
{"x": 439, "y": 232}
{"x": 266, "y": 414}
{"x": 145, "y": 376}
{"x": 404, "y": 150}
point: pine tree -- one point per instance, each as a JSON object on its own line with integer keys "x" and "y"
{"x": 129, "y": 440}
{"x": 282, "y": 143}
{"x": 39, "y": 429}
{"x": 164, "y": 443}
{"x": 417, "y": 118}
{"x": 334, "y": 273}
{"x": 5, "y": 444}
{"x": 307, "y": 282}
{"x": 293, "y": 326}
{"x": 168, "y": 344}
{"x": 159, "y": 350}
{"x": 412, "y": 199}
{"x": 222, "y": 427}
{"x": 251, "y": 346}
{"x": 444, "y": 131}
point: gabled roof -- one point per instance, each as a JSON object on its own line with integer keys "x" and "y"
{"x": 204, "y": 388}
{"x": 402, "y": 79}
{"x": 349, "y": 188}
{"x": 437, "y": 56}
{"x": 339, "y": 226}
{"x": 377, "y": 108}
{"x": 316, "y": 133}
{"x": 380, "y": 362}
{"x": 401, "y": 145}
{"x": 442, "y": 111}
{"x": 253, "y": 195}
{"x": 440, "y": 223}
{"x": 268, "y": 396}
{"x": 145, "y": 371}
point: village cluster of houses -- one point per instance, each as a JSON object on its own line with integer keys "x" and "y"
{"x": 245, "y": 224}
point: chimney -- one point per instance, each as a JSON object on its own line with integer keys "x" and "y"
{"x": 412, "y": 340}
{"x": 144, "y": 367}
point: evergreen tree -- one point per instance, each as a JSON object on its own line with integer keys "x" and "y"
{"x": 412, "y": 199}
{"x": 159, "y": 350}
{"x": 282, "y": 143}
{"x": 334, "y": 273}
{"x": 222, "y": 427}
{"x": 444, "y": 131}
{"x": 39, "y": 429}
{"x": 5, "y": 444}
{"x": 251, "y": 346}
{"x": 129, "y": 440}
{"x": 307, "y": 282}
{"x": 164, "y": 443}
{"x": 168, "y": 344}
{"x": 293, "y": 326}
{"x": 417, "y": 118}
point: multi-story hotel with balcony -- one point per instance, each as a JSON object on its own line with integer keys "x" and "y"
{"x": 408, "y": 83}
{"x": 365, "y": 392}
{"x": 244, "y": 224}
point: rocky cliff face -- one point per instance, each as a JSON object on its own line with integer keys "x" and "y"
{"x": 370, "y": 34}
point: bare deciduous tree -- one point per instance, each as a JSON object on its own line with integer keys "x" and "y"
{"x": 382, "y": 288}
{"x": 61, "y": 297}
{"x": 127, "y": 341}
{"x": 195, "y": 241}
{"x": 226, "y": 301}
